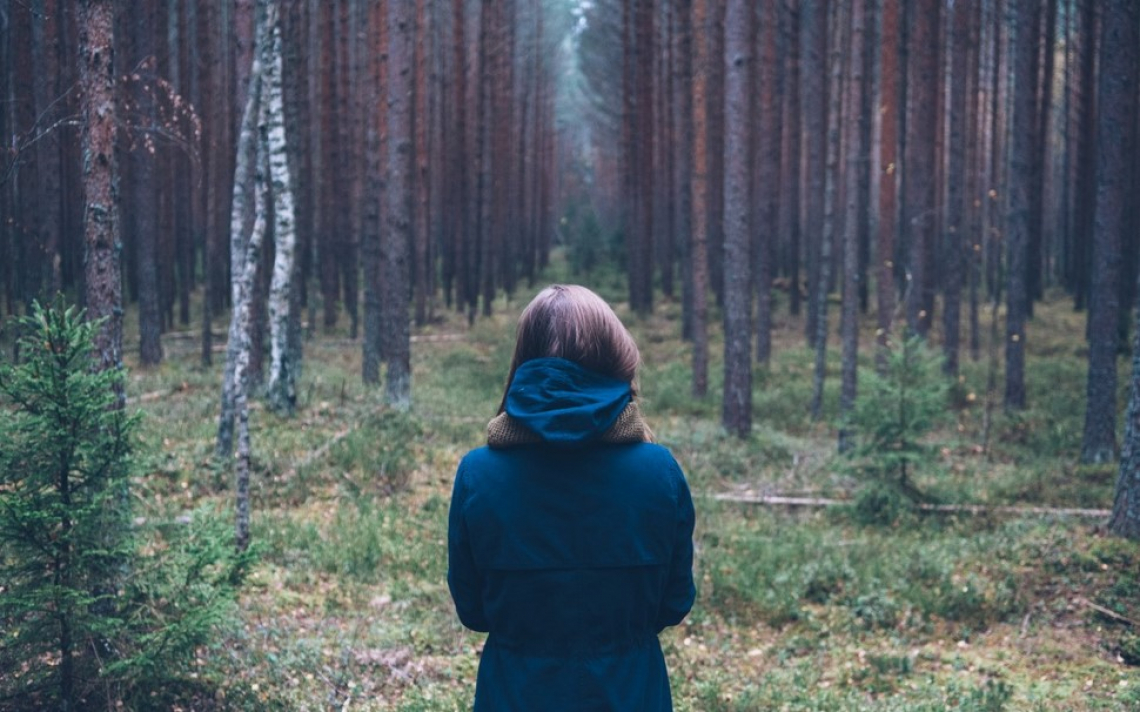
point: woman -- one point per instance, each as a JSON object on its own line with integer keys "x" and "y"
{"x": 570, "y": 533}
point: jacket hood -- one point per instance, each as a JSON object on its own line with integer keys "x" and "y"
{"x": 563, "y": 402}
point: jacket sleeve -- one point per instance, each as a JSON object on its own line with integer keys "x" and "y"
{"x": 463, "y": 577}
{"x": 680, "y": 590}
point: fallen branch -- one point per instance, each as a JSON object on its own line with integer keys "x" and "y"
{"x": 320, "y": 452}
{"x": 1108, "y": 612}
{"x": 157, "y": 395}
{"x": 779, "y": 501}
{"x": 415, "y": 339}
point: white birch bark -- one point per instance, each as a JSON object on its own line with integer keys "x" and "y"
{"x": 243, "y": 315}
{"x": 241, "y": 219}
{"x": 245, "y": 259}
{"x": 282, "y": 391}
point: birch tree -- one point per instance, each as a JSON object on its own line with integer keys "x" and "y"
{"x": 245, "y": 260}
{"x": 243, "y": 315}
{"x": 241, "y": 251}
{"x": 282, "y": 388}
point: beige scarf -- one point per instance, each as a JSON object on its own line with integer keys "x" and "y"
{"x": 504, "y": 431}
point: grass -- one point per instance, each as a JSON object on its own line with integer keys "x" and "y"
{"x": 797, "y": 610}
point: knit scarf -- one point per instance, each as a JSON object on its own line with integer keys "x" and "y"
{"x": 504, "y": 431}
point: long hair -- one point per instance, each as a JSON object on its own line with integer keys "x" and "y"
{"x": 571, "y": 322}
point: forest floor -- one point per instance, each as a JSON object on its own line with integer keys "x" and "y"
{"x": 797, "y": 609}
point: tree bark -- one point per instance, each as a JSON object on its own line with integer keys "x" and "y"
{"x": 919, "y": 181}
{"x": 372, "y": 346}
{"x": 282, "y": 388}
{"x": 1115, "y": 150}
{"x": 790, "y": 140}
{"x": 243, "y": 248}
{"x": 738, "y": 60}
{"x": 1021, "y": 180}
{"x": 954, "y": 210}
{"x": 766, "y": 188}
{"x": 422, "y": 180}
{"x": 813, "y": 95}
{"x": 683, "y": 220}
{"x": 831, "y": 216}
{"x": 698, "y": 250}
{"x": 46, "y": 29}
{"x": 104, "y": 298}
{"x": 396, "y": 245}
{"x": 243, "y": 319}
{"x": 144, "y": 196}
{"x": 854, "y": 174}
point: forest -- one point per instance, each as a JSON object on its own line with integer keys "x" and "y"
{"x": 261, "y": 263}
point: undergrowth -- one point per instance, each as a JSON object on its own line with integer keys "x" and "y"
{"x": 797, "y": 609}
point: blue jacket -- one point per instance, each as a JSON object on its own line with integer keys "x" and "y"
{"x": 573, "y": 552}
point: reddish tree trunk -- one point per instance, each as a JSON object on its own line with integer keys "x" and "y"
{"x": 98, "y": 122}
{"x": 919, "y": 175}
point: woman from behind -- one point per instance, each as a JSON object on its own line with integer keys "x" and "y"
{"x": 570, "y": 532}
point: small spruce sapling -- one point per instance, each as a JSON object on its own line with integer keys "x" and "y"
{"x": 63, "y": 532}
{"x": 67, "y": 640}
{"x": 894, "y": 411}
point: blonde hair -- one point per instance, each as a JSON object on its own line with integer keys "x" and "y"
{"x": 571, "y": 322}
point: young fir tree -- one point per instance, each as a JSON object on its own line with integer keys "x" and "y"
{"x": 65, "y": 531}
{"x": 63, "y": 527}
{"x": 893, "y": 412}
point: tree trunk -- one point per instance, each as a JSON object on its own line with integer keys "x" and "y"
{"x": 813, "y": 94}
{"x": 396, "y": 245}
{"x": 243, "y": 320}
{"x": 1119, "y": 82}
{"x": 830, "y": 212}
{"x": 422, "y": 183}
{"x": 374, "y": 197}
{"x": 683, "y": 123}
{"x": 46, "y": 28}
{"x": 282, "y": 387}
{"x": 790, "y": 140}
{"x": 767, "y": 182}
{"x": 328, "y": 247}
{"x": 1021, "y": 180}
{"x": 954, "y": 210}
{"x": 1115, "y": 150}
{"x": 104, "y": 298}
{"x": 243, "y": 249}
{"x": 855, "y": 122}
{"x": 698, "y": 251}
{"x": 143, "y": 194}
{"x": 738, "y": 60}
{"x": 919, "y": 182}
